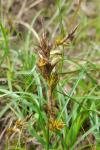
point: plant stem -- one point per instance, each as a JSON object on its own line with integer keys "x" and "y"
{"x": 48, "y": 133}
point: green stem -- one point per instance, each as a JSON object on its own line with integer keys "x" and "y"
{"x": 48, "y": 134}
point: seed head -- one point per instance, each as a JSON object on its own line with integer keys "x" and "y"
{"x": 56, "y": 125}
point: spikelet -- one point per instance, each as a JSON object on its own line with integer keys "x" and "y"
{"x": 56, "y": 125}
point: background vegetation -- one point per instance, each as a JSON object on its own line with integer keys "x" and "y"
{"x": 26, "y": 120}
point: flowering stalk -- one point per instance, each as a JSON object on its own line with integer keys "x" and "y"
{"x": 46, "y": 65}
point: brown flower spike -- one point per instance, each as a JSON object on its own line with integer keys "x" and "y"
{"x": 46, "y": 64}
